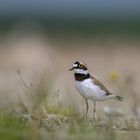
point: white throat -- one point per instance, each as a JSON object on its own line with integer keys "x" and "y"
{"x": 81, "y": 71}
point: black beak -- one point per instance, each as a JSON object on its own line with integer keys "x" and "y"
{"x": 71, "y": 69}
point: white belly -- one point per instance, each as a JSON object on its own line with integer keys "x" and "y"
{"x": 90, "y": 91}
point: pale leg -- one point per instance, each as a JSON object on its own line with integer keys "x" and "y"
{"x": 87, "y": 107}
{"x": 94, "y": 111}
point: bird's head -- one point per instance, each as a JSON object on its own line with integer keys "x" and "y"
{"x": 79, "y": 67}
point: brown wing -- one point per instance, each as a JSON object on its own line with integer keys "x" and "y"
{"x": 97, "y": 82}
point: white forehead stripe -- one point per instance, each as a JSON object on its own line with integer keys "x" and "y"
{"x": 75, "y": 65}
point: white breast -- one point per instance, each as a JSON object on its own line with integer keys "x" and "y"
{"x": 90, "y": 91}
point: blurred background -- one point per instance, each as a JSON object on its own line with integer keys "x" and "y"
{"x": 40, "y": 40}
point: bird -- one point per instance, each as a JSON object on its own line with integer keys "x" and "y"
{"x": 89, "y": 87}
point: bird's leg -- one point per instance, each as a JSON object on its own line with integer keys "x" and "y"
{"x": 87, "y": 107}
{"x": 94, "y": 111}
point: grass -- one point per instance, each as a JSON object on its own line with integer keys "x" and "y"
{"x": 42, "y": 121}
{"x": 39, "y": 120}
{"x": 13, "y": 127}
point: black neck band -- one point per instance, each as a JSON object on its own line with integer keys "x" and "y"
{"x": 81, "y": 77}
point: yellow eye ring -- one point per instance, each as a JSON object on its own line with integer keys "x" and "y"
{"x": 81, "y": 65}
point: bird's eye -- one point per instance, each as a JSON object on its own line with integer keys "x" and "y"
{"x": 81, "y": 66}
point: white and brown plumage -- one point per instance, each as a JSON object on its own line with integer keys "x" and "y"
{"x": 89, "y": 87}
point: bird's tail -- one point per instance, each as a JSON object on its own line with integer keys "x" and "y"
{"x": 118, "y": 98}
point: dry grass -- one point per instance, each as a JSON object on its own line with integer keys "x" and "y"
{"x": 38, "y": 99}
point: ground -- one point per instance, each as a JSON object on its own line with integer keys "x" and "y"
{"x": 38, "y": 99}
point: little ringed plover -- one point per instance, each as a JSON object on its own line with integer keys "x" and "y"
{"x": 89, "y": 87}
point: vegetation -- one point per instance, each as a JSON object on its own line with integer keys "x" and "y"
{"x": 60, "y": 123}
{"x": 33, "y": 117}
